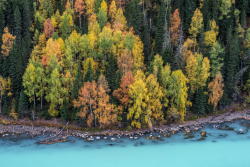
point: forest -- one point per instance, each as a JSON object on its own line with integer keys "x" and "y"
{"x": 123, "y": 63}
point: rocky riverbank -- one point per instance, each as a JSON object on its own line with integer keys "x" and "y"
{"x": 55, "y": 135}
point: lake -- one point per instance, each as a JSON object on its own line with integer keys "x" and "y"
{"x": 221, "y": 148}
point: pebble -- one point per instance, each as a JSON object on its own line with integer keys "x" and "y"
{"x": 113, "y": 139}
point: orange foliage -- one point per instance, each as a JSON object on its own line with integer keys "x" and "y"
{"x": 8, "y": 41}
{"x": 94, "y": 105}
{"x": 175, "y": 25}
{"x": 122, "y": 93}
{"x": 216, "y": 90}
{"x": 48, "y": 28}
{"x": 79, "y": 7}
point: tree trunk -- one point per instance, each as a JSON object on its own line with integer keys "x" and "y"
{"x": 80, "y": 22}
{"x": 33, "y": 111}
{"x": 41, "y": 102}
{"x": 1, "y": 104}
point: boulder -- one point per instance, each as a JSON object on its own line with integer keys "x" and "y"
{"x": 241, "y": 131}
{"x": 113, "y": 139}
{"x": 203, "y": 134}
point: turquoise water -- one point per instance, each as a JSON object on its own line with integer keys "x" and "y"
{"x": 220, "y": 149}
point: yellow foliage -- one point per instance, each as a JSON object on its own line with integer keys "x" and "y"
{"x": 5, "y": 86}
{"x": 90, "y": 6}
{"x": 137, "y": 53}
{"x": 155, "y": 93}
{"x": 145, "y": 106}
{"x": 197, "y": 69}
{"x": 53, "y": 49}
{"x": 179, "y": 94}
{"x": 196, "y": 24}
{"x": 112, "y": 10}
{"x": 211, "y": 36}
{"x": 93, "y": 26}
{"x": 188, "y": 48}
{"x": 120, "y": 21}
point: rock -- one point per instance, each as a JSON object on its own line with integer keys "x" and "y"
{"x": 225, "y": 127}
{"x": 241, "y": 131}
{"x": 154, "y": 138}
{"x": 203, "y": 134}
{"x": 113, "y": 139}
{"x": 98, "y": 137}
{"x": 90, "y": 139}
{"x": 105, "y": 137}
{"x": 135, "y": 137}
{"x": 187, "y": 130}
{"x": 167, "y": 135}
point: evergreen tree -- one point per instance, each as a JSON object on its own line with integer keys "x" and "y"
{"x": 231, "y": 62}
{"x": 160, "y": 28}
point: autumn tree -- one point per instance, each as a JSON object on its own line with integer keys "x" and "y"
{"x": 155, "y": 96}
{"x": 94, "y": 105}
{"x": 175, "y": 27}
{"x": 86, "y": 102}
{"x": 103, "y": 14}
{"x": 145, "y": 101}
{"x": 175, "y": 90}
{"x": 214, "y": 48}
{"x": 48, "y": 28}
{"x": 55, "y": 92}
{"x": 178, "y": 95}
{"x": 79, "y": 9}
{"x": 198, "y": 71}
{"x": 105, "y": 112}
{"x": 216, "y": 90}
{"x": 122, "y": 93}
{"x": 120, "y": 21}
{"x": 30, "y": 84}
{"x": 66, "y": 24}
{"x": 197, "y": 24}
{"x": 7, "y": 42}
{"x": 112, "y": 10}
{"x": 138, "y": 113}
{"x": 90, "y": 6}
{"x": 210, "y": 37}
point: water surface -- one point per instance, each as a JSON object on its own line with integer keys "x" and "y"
{"x": 222, "y": 148}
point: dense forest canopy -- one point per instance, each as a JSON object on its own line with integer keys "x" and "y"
{"x": 132, "y": 63}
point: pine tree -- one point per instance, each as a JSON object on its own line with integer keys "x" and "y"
{"x": 231, "y": 62}
{"x": 160, "y": 28}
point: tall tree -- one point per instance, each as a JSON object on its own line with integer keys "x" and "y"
{"x": 216, "y": 90}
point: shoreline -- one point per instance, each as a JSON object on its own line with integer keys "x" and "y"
{"x": 57, "y": 135}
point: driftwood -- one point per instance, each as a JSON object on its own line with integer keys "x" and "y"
{"x": 57, "y": 138}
